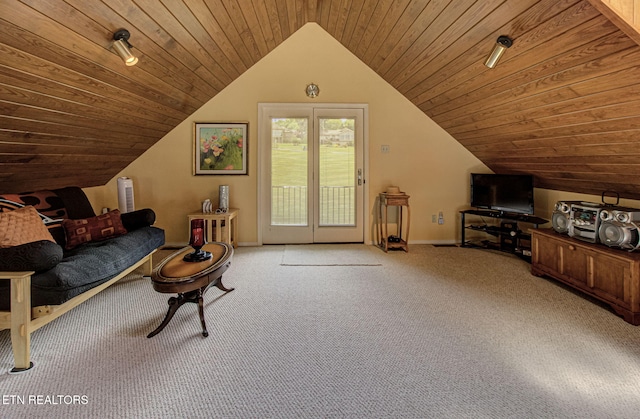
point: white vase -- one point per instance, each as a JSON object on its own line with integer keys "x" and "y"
{"x": 207, "y": 207}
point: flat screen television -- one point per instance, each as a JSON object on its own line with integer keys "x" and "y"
{"x": 508, "y": 193}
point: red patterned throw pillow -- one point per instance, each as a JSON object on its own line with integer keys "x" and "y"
{"x": 100, "y": 227}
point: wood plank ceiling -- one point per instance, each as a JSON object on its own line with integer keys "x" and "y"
{"x": 563, "y": 104}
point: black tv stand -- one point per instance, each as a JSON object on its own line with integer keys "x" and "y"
{"x": 505, "y": 236}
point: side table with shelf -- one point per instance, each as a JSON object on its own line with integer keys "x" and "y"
{"x": 506, "y": 237}
{"x": 402, "y": 202}
{"x": 221, "y": 228}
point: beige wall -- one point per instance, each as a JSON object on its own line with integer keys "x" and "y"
{"x": 424, "y": 161}
{"x": 545, "y": 200}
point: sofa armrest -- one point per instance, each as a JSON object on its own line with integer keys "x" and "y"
{"x": 138, "y": 219}
{"x": 19, "y": 320}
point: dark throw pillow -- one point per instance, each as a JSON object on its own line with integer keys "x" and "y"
{"x": 138, "y": 219}
{"x": 36, "y": 256}
{"x": 92, "y": 229}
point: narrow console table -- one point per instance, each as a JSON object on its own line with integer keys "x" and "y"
{"x": 609, "y": 275}
{"x": 506, "y": 237}
{"x": 401, "y": 201}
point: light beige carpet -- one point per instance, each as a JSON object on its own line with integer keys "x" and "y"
{"x": 331, "y": 255}
{"x": 433, "y": 333}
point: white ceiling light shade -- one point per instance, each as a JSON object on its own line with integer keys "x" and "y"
{"x": 123, "y": 47}
{"x": 501, "y": 46}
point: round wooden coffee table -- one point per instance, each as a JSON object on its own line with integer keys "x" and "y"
{"x": 190, "y": 280}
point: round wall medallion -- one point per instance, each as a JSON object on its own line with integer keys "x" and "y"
{"x": 312, "y": 90}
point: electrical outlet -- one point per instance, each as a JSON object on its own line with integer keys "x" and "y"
{"x": 440, "y": 218}
{"x": 434, "y": 218}
{"x": 385, "y": 148}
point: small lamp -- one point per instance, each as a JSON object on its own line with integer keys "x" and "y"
{"x": 197, "y": 239}
{"x": 123, "y": 47}
{"x": 501, "y": 46}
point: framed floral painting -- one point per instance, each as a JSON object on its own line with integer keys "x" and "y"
{"x": 220, "y": 148}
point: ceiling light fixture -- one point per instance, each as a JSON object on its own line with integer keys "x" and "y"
{"x": 312, "y": 90}
{"x": 123, "y": 47}
{"x": 501, "y": 46}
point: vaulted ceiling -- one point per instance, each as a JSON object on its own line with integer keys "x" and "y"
{"x": 563, "y": 104}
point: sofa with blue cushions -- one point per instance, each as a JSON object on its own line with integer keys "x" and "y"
{"x": 56, "y": 253}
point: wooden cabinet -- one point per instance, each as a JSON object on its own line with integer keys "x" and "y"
{"x": 610, "y": 275}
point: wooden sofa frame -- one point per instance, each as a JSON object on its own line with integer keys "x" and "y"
{"x": 24, "y": 319}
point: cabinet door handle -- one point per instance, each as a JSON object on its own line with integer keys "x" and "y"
{"x": 572, "y": 247}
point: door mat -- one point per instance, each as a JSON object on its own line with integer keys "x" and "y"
{"x": 331, "y": 255}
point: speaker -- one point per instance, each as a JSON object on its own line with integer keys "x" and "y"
{"x": 621, "y": 235}
{"x": 621, "y": 214}
{"x": 618, "y": 227}
{"x": 560, "y": 217}
{"x": 125, "y": 195}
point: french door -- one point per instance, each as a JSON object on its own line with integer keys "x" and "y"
{"x": 312, "y": 174}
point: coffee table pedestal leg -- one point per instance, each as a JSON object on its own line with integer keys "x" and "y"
{"x": 190, "y": 281}
{"x": 176, "y": 302}
{"x": 189, "y": 297}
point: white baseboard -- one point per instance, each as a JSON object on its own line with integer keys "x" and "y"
{"x": 432, "y": 242}
{"x": 248, "y": 244}
{"x": 180, "y": 245}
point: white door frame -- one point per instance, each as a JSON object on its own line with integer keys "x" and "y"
{"x": 261, "y": 116}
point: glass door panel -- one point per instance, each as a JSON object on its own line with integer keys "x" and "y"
{"x": 286, "y": 173}
{"x": 289, "y": 172}
{"x": 339, "y": 181}
{"x": 336, "y": 170}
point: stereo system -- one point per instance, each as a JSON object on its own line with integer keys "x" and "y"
{"x": 611, "y": 225}
{"x": 584, "y": 221}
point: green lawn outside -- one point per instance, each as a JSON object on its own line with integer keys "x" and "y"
{"x": 289, "y": 168}
{"x": 289, "y": 165}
